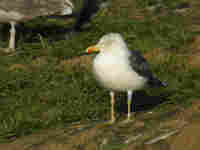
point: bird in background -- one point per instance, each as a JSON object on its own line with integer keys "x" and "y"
{"x": 119, "y": 69}
{"x": 14, "y": 12}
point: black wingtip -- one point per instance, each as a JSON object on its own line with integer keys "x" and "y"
{"x": 154, "y": 82}
{"x": 164, "y": 84}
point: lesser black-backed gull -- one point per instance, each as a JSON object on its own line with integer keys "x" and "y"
{"x": 120, "y": 69}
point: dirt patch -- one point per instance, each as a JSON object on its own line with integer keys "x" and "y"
{"x": 157, "y": 55}
{"x": 194, "y": 60}
{"x": 39, "y": 61}
{"x": 165, "y": 132}
{"x": 82, "y": 61}
{"x": 188, "y": 139}
{"x": 16, "y": 67}
{"x": 195, "y": 45}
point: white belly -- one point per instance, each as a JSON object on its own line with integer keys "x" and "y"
{"x": 115, "y": 73}
{"x": 8, "y": 16}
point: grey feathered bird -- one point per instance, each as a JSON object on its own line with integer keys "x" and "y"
{"x": 15, "y": 11}
{"x": 119, "y": 69}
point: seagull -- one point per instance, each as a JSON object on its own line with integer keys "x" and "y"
{"x": 119, "y": 69}
{"x": 17, "y": 11}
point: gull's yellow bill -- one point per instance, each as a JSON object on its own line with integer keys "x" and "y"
{"x": 92, "y": 49}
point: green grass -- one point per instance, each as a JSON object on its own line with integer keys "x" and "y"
{"x": 34, "y": 98}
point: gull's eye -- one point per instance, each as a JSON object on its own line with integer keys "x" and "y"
{"x": 103, "y": 46}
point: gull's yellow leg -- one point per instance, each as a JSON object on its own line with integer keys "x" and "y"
{"x": 112, "y": 95}
{"x": 12, "y": 36}
{"x": 130, "y": 93}
{"x": 112, "y": 120}
{"x": 11, "y": 47}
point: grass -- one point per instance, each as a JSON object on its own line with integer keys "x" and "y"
{"x": 35, "y": 93}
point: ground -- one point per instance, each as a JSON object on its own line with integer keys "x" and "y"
{"x": 174, "y": 129}
{"x": 49, "y": 98}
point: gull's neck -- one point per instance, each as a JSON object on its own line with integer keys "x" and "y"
{"x": 117, "y": 50}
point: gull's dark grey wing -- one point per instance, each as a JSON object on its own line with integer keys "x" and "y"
{"x": 84, "y": 15}
{"x": 141, "y": 66}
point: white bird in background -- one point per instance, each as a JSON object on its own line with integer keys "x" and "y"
{"x": 15, "y": 11}
{"x": 119, "y": 69}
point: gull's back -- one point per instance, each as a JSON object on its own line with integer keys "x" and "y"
{"x": 141, "y": 66}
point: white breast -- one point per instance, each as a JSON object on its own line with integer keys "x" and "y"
{"x": 114, "y": 72}
{"x": 7, "y": 16}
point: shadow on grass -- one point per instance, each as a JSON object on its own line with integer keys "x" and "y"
{"x": 53, "y": 32}
{"x": 141, "y": 101}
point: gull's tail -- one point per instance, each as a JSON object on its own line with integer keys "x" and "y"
{"x": 154, "y": 82}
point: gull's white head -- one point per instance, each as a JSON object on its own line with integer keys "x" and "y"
{"x": 109, "y": 42}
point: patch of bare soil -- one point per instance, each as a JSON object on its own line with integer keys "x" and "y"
{"x": 157, "y": 55}
{"x": 15, "y": 67}
{"x": 187, "y": 140}
{"x": 39, "y": 61}
{"x": 173, "y": 130}
{"x": 194, "y": 57}
{"x": 82, "y": 61}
